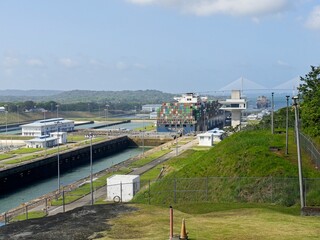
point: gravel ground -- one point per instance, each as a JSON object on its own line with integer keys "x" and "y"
{"x": 81, "y": 223}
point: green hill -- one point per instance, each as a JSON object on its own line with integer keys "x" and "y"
{"x": 249, "y": 166}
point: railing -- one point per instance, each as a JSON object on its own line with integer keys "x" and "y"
{"x": 310, "y": 148}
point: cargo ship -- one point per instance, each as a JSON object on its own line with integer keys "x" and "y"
{"x": 189, "y": 113}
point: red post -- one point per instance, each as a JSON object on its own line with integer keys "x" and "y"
{"x": 171, "y": 223}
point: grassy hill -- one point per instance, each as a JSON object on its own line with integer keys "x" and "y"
{"x": 249, "y": 166}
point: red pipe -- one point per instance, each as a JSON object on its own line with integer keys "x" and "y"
{"x": 171, "y": 223}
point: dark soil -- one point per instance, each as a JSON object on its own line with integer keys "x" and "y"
{"x": 81, "y": 223}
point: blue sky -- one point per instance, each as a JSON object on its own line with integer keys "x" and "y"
{"x": 168, "y": 45}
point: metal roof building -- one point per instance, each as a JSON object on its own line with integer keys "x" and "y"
{"x": 47, "y": 126}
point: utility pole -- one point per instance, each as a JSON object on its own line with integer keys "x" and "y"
{"x": 295, "y": 104}
{"x": 287, "y": 124}
{"x": 272, "y": 109}
{"x": 91, "y": 178}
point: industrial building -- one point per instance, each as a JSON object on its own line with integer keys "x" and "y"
{"x": 47, "y": 126}
{"x": 150, "y": 107}
{"x": 189, "y": 113}
{"x": 236, "y": 104}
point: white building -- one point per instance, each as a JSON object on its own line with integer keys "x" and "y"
{"x": 234, "y": 105}
{"x": 150, "y": 107}
{"x": 205, "y": 139}
{"x": 47, "y": 126}
{"x": 42, "y": 142}
{"x": 60, "y": 136}
{"x": 122, "y": 187}
{"x": 2, "y": 109}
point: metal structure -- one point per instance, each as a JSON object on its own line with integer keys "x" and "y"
{"x": 272, "y": 110}
{"x": 295, "y": 104}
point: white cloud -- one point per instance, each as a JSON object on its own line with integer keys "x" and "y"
{"x": 282, "y": 63}
{"x": 121, "y": 65}
{"x": 68, "y": 63}
{"x": 313, "y": 21}
{"x": 139, "y": 66}
{"x": 10, "y": 62}
{"x": 34, "y": 62}
{"x": 229, "y": 7}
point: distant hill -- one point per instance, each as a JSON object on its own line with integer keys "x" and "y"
{"x": 74, "y": 96}
{"x": 28, "y": 93}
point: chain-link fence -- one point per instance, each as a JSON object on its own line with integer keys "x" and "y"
{"x": 280, "y": 191}
{"x": 310, "y": 148}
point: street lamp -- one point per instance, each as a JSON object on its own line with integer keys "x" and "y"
{"x": 287, "y": 124}
{"x": 58, "y": 156}
{"x": 295, "y": 104}
{"x": 91, "y": 180}
{"x": 272, "y": 109}
{"x": 18, "y": 114}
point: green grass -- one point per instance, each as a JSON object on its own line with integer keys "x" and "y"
{"x": 149, "y": 127}
{"x": 25, "y": 150}
{"x": 21, "y": 159}
{"x": 247, "y": 169}
{"x": 215, "y": 221}
{"x": 85, "y": 188}
{"x": 31, "y": 215}
{"x": 150, "y": 158}
{"x": 5, "y": 156}
{"x": 76, "y": 138}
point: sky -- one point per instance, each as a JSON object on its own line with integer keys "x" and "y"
{"x": 168, "y": 45}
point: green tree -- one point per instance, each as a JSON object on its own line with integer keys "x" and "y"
{"x": 310, "y": 106}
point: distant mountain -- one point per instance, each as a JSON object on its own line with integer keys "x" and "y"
{"x": 74, "y": 96}
{"x": 26, "y": 93}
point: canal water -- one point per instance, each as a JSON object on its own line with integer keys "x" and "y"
{"x": 12, "y": 200}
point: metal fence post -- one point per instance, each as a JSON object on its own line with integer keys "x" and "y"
{"x": 271, "y": 189}
{"x": 26, "y": 212}
{"x": 46, "y": 206}
{"x": 149, "y": 200}
{"x": 120, "y": 191}
{"x": 5, "y": 218}
{"x": 63, "y": 201}
{"x": 305, "y": 191}
{"x": 175, "y": 190}
{"x": 207, "y": 179}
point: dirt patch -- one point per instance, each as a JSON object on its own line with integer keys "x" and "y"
{"x": 81, "y": 223}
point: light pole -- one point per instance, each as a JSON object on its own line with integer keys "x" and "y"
{"x": 58, "y": 156}
{"x": 107, "y": 106}
{"x": 18, "y": 114}
{"x": 143, "y": 136}
{"x": 295, "y": 104}
{"x": 272, "y": 109}
{"x": 176, "y": 137}
{"x": 91, "y": 180}
{"x": 287, "y": 124}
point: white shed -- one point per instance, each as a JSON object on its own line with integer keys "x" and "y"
{"x": 205, "y": 139}
{"x": 122, "y": 187}
{"x": 61, "y": 136}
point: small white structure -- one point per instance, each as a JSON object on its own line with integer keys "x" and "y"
{"x": 2, "y": 109}
{"x": 60, "y": 136}
{"x": 205, "y": 139}
{"x": 235, "y": 105}
{"x": 42, "y": 142}
{"x": 122, "y": 187}
{"x": 217, "y": 134}
{"x": 43, "y": 127}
